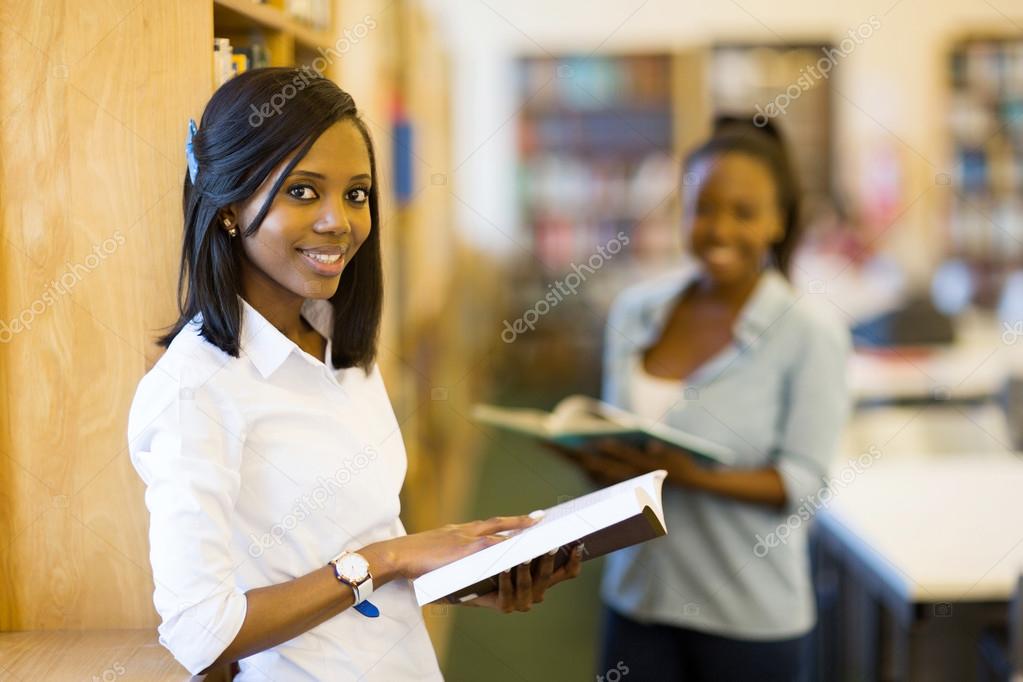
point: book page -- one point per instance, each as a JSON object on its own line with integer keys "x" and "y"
{"x": 561, "y": 525}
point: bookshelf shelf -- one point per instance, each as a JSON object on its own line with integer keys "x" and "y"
{"x": 246, "y": 14}
{"x": 985, "y": 121}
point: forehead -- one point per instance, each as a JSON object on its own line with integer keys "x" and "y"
{"x": 339, "y": 153}
{"x": 734, "y": 172}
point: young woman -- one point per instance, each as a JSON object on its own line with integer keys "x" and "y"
{"x": 272, "y": 458}
{"x": 724, "y": 349}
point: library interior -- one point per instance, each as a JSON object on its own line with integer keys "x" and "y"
{"x": 770, "y": 253}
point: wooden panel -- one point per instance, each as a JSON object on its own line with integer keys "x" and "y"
{"x": 94, "y": 109}
{"x": 122, "y": 655}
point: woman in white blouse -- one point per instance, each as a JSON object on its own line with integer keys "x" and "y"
{"x": 272, "y": 458}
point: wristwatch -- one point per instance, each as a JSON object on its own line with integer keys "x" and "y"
{"x": 352, "y": 569}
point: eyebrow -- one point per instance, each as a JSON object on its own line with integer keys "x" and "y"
{"x": 321, "y": 176}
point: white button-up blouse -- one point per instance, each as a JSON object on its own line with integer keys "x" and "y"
{"x": 260, "y": 469}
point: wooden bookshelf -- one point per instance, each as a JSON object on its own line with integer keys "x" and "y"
{"x": 985, "y": 123}
{"x": 288, "y": 40}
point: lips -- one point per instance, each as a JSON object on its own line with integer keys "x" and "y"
{"x": 720, "y": 254}
{"x": 326, "y": 260}
{"x": 326, "y": 250}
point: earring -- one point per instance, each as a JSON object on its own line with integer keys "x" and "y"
{"x": 233, "y": 231}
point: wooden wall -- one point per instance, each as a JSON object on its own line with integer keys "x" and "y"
{"x": 93, "y": 112}
{"x": 92, "y": 121}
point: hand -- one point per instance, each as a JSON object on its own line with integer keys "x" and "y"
{"x": 682, "y": 468}
{"x": 600, "y": 469}
{"x": 410, "y": 556}
{"x": 531, "y": 581}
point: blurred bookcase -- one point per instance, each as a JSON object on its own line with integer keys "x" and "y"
{"x": 276, "y": 32}
{"x": 985, "y": 123}
{"x": 596, "y": 165}
{"x": 595, "y": 147}
{"x": 601, "y": 141}
{"x": 746, "y": 78}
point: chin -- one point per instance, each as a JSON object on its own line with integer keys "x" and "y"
{"x": 721, "y": 273}
{"x": 320, "y": 288}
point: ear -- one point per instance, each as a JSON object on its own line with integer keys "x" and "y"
{"x": 227, "y": 219}
{"x": 777, "y": 231}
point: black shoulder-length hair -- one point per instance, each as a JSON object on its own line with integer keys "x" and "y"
{"x": 765, "y": 143}
{"x": 249, "y": 126}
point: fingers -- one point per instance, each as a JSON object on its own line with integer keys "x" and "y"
{"x": 570, "y": 454}
{"x": 641, "y": 460}
{"x": 497, "y": 524}
{"x": 607, "y": 469}
{"x": 523, "y": 587}
{"x": 505, "y": 592}
{"x": 617, "y": 448}
{"x": 544, "y": 568}
{"x": 572, "y": 569}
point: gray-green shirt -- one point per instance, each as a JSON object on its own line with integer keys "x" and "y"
{"x": 776, "y": 396}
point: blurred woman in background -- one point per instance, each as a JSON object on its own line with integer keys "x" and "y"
{"x": 727, "y": 350}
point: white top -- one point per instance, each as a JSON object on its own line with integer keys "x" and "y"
{"x": 652, "y": 396}
{"x": 260, "y": 469}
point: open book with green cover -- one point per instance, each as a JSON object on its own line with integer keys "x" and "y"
{"x": 609, "y": 519}
{"x": 579, "y": 419}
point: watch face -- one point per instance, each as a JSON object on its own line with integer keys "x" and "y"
{"x": 353, "y": 567}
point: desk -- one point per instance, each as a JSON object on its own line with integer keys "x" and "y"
{"x": 104, "y": 655}
{"x": 926, "y": 551}
{"x": 960, "y": 373}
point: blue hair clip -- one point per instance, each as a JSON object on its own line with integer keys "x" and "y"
{"x": 193, "y": 164}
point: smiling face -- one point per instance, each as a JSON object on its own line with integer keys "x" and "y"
{"x": 316, "y": 223}
{"x": 732, "y": 215}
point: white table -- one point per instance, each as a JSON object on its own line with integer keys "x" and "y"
{"x": 937, "y": 541}
{"x": 960, "y": 372}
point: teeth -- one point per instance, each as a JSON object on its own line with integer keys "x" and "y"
{"x": 323, "y": 258}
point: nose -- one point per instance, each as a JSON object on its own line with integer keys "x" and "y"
{"x": 333, "y": 219}
{"x": 719, "y": 224}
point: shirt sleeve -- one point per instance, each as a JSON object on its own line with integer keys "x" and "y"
{"x": 612, "y": 380}
{"x": 818, "y": 405}
{"x": 186, "y": 444}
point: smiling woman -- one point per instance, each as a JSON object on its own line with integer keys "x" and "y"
{"x": 272, "y": 458}
{"x": 324, "y": 170}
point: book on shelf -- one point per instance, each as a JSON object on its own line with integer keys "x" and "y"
{"x": 609, "y": 519}
{"x": 579, "y": 420}
{"x": 223, "y": 61}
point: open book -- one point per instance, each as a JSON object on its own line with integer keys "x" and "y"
{"x": 618, "y": 516}
{"x": 578, "y": 419}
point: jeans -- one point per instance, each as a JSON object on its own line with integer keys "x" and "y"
{"x": 636, "y": 652}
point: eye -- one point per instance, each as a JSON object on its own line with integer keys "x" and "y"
{"x": 358, "y": 195}
{"x": 302, "y": 192}
{"x": 745, "y": 212}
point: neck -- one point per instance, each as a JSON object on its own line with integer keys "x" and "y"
{"x": 733, "y": 293}
{"x": 280, "y": 307}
